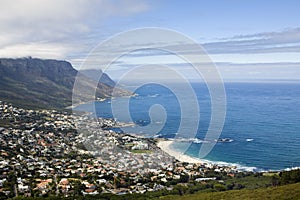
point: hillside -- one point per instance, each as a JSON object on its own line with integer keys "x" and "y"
{"x": 291, "y": 191}
{"x": 31, "y": 82}
{"x": 93, "y": 74}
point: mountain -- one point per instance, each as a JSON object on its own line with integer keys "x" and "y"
{"x": 94, "y": 75}
{"x": 38, "y": 83}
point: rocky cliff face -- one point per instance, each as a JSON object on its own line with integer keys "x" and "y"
{"x": 94, "y": 75}
{"x": 45, "y": 83}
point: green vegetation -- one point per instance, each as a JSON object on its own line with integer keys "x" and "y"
{"x": 291, "y": 191}
{"x": 287, "y": 177}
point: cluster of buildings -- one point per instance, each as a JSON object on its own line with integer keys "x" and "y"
{"x": 48, "y": 152}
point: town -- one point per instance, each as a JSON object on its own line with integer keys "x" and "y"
{"x": 49, "y": 152}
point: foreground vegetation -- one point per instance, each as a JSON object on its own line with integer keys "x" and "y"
{"x": 291, "y": 191}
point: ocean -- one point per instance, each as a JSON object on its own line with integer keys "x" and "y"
{"x": 262, "y": 121}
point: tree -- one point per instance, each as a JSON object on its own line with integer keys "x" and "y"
{"x": 77, "y": 187}
{"x": 180, "y": 189}
{"x": 184, "y": 178}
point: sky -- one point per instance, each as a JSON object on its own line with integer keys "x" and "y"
{"x": 247, "y": 40}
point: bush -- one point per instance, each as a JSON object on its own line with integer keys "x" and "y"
{"x": 219, "y": 187}
{"x": 287, "y": 177}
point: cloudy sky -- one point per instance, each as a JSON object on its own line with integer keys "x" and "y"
{"x": 247, "y": 40}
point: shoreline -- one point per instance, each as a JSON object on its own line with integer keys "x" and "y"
{"x": 165, "y": 145}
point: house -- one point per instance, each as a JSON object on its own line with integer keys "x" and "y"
{"x": 205, "y": 179}
{"x": 23, "y": 188}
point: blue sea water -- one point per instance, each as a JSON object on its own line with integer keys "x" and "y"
{"x": 262, "y": 119}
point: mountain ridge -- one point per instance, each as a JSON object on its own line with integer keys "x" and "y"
{"x": 46, "y": 83}
{"x": 94, "y": 73}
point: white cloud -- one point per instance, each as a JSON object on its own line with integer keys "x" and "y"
{"x": 269, "y": 42}
{"x": 53, "y": 26}
{"x": 40, "y": 50}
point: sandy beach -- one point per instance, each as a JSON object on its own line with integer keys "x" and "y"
{"x": 165, "y": 145}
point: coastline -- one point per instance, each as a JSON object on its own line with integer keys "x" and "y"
{"x": 165, "y": 145}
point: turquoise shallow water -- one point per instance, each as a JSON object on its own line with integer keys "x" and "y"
{"x": 262, "y": 119}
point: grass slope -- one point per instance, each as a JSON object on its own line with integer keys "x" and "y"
{"x": 291, "y": 191}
